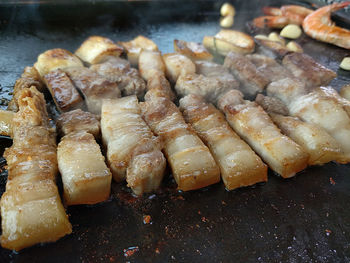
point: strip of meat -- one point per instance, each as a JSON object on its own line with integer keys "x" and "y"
{"x": 159, "y": 86}
{"x": 78, "y": 120}
{"x": 62, "y": 90}
{"x": 252, "y": 81}
{"x": 85, "y": 176}
{"x": 93, "y": 86}
{"x": 192, "y": 164}
{"x": 254, "y": 125}
{"x": 315, "y": 140}
{"x": 6, "y": 118}
{"x": 119, "y": 70}
{"x": 31, "y": 209}
{"x": 306, "y": 69}
{"x": 149, "y": 63}
{"x": 133, "y": 152}
{"x": 176, "y": 64}
{"x": 30, "y": 77}
{"x": 96, "y": 49}
{"x": 209, "y": 87}
{"x": 214, "y": 70}
{"x": 56, "y": 58}
{"x": 239, "y": 164}
{"x": 272, "y": 49}
{"x": 271, "y": 70}
{"x": 194, "y": 51}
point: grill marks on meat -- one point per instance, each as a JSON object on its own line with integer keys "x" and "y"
{"x": 93, "y": 86}
{"x": 252, "y": 81}
{"x": 254, "y": 125}
{"x": 192, "y": 164}
{"x": 239, "y": 165}
{"x": 159, "y": 86}
{"x": 127, "y": 78}
{"x": 308, "y": 70}
{"x": 133, "y": 152}
{"x": 62, "y": 90}
{"x": 31, "y": 208}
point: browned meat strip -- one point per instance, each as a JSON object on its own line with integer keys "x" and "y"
{"x": 63, "y": 92}
{"x": 119, "y": 70}
{"x": 252, "y": 81}
{"x": 271, "y": 49}
{"x": 306, "y": 69}
{"x": 93, "y": 86}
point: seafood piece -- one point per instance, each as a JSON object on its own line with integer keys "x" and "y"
{"x": 30, "y": 77}
{"x": 134, "y": 47}
{"x": 56, "y": 58}
{"x": 345, "y": 92}
{"x": 6, "y": 122}
{"x": 214, "y": 70}
{"x": 127, "y": 78}
{"x": 271, "y": 48}
{"x": 270, "y": 21}
{"x": 272, "y": 11}
{"x": 96, "y": 49}
{"x": 62, "y": 90}
{"x": 315, "y": 140}
{"x": 319, "y": 25}
{"x": 93, "y": 86}
{"x": 133, "y": 152}
{"x": 295, "y": 13}
{"x": 78, "y": 120}
{"x": 176, "y": 64}
{"x": 194, "y": 51}
{"x": 306, "y": 69}
{"x": 85, "y": 176}
{"x": 254, "y": 125}
{"x": 269, "y": 68}
{"x": 252, "y": 81}
{"x": 192, "y": 165}
{"x": 158, "y": 85}
{"x": 209, "y": 87}
{"x": 239, "y": 164}
{"x": 31, "y": 209}
{"x": 149, "y": 63}
{"x": 315, "y": 107}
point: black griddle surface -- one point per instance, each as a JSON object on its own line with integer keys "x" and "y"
{"x": 302, "y": 219}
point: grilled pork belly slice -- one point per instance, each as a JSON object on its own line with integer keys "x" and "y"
{"x": 214, "y": 70}
{"x": 333, "y": 94}
{"x": 315, "y": 140}
{"x": 192, "y": 50}
{"x": 239, "y": 164}
{"x": 133, "y": 152}
{"x": 254, "y": 125}
{"x": 119, "y": 70}
{"x": 78, "y": 120}
{"x": 176, "y": 64}
{"x": 6, "y": 122}
{"x": 93, "y": 86}
{"x": 56, "y": 58}
{"x": 149, "y": 63}
{"x": 85, "y": 176}
{"x": 306, "y": 69}
{"x": 31, "y": 209}
{"x": 209, "y": 87}
{"x": 192, "y": 164}
{"x": 159, "y": 86}
{"x": 30, "y": 77}
{"x": 96, "y": 49}
{"x": 273, "y": 49}
{"x": 252, "y": 81}
{"x": 271, "y": 70}
{"x": 62, "y": 90}
{"x": 134, "y": 48}
{"x": 326, "y": 112}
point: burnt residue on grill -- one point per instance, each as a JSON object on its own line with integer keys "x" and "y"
{"x": 302, "y": 219}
